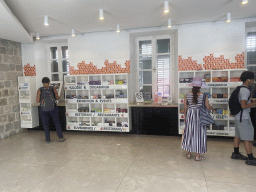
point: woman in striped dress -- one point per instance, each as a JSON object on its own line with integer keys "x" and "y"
{"x": 195, "y": 135}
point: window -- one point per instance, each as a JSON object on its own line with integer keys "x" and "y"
{"x": 59, "y": 62}
{"x": 154, "y": 67}
{"x": 251, "y": 57}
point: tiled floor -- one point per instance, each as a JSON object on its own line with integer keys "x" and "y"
{"x": 115, "y": 162}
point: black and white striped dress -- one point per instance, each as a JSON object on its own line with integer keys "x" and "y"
{"x": 195, "y": 135}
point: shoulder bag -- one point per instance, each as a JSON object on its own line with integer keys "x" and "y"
{"x": 205, "y": 116}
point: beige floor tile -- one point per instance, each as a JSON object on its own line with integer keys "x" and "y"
{"x": 127, "y": 140}
{"x": 90, "y": 159}
{"x": 2, "y": 161}
{"x": 161, "y": 151}
{"x": 162, "y": 141}
{"x": 236, "y": 179}
{"x": 100, "y": 162}
{"x": 227, "y": 168}
{"x": 153, "y": 183}
{"x": 78, "y": 179}
{"x": 229, "y": 187}
{"x": 43, "y": 158}
{"x": 20, "y": 177}
{"x": 124, "y": 152}
{"x": 170, "y": 167}
{"x": 6, "y": 155}
{"x": 91, "y": 139}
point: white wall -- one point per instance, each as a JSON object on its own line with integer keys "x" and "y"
{"x": 35, "y": 54}
{"x": 199, "y": 40}
{"x": 97, "y": 47}
{"x": 194, "y": 40}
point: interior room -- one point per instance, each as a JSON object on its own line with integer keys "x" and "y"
{"x": 123, "y": 71}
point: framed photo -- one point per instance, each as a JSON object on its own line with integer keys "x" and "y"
{"x": 139, "y": 97}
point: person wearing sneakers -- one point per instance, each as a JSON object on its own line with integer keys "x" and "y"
{"x": 47, "y": 96}
{"x": 243, "y": 125}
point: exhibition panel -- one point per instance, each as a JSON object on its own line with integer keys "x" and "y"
{"x": 97, "y": 102}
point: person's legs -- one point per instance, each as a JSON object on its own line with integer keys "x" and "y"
{"x": 55, "y": 117}
{"x": 237, "y": 140}
{"x": 248, "y": 147}
{"x": 45, "y": 121}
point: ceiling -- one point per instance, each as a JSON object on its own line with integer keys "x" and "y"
{"x": 83, "y": 15}
{"x": 10, "y": 27}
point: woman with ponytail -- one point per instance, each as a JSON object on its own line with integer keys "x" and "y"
{"x": 194, "y": 135}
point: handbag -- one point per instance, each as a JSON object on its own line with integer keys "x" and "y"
{"x": 205, "y": 116}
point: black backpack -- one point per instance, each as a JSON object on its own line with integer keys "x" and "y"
{"x": 234, "y": 104}
{"x": 47, "y": 99}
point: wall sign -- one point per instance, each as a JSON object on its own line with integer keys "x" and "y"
{"x": 85, "y": 128}
{"x": 98, "y": 87}
{"x": 94, "y": 101}
{"x": 23, "y": 87}
{"x": 220, "y": 101}
{"x": 217, "y": 133}
{"x": 219, "y": 116}
{"x": 217, "y": 85}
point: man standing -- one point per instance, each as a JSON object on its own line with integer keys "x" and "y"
{"x": 244, "y": 129}
{"x": 46, "y": 96}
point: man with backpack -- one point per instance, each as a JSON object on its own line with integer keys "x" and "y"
{"x": 47, "y": 96}
{"x": 240, "y": 104}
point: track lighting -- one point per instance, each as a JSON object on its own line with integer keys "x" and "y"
{"x": 166, "y": 7}
{"x": 46, "y": 21}
{"x": 228, "y": 17}
{"x": 169, "y": 23}
{"x": 37, "y": 36}
{"x": 73, "y": 32}
{"x": 244, "y": 2}
{"x": 101, "y": 14}
{"x": 117, "y": 28}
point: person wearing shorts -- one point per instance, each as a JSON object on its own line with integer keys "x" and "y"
{"x": 244, "y": 129}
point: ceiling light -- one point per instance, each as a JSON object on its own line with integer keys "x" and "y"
{"x": 244, "y": 1}
{"x": 101, "y": 14}
{"x": 46, "y": 22}
{"x": 169, "y": 23}
{"x": 166, "y": 7}
{"x": 73, "y": 32}
{"x": 37, "y": 36}
{"x": 228, "y": 17}
{"x": 117, "y": 28}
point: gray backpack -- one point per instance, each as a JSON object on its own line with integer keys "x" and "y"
{"x": 47, "y": 99}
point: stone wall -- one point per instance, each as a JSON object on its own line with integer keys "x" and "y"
{"x": 10, "y": 69}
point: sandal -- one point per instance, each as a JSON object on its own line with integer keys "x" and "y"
{"x": 188, "y": 155}
{"x": 199, "y": 158}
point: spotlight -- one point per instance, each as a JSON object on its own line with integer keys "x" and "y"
{"x": 73, "y": 32}
{"x": 169, "y": 23}
{"x": 244, "y": 2}
{"x": 37, "y": 36}
{"x": 228, "y": 17}
{"x": 117, "y": 28}
{"x": 166, "y": 7}
{"x": 101, "y": 14}
{"x": 46, "y": 20}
